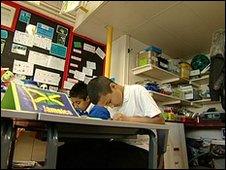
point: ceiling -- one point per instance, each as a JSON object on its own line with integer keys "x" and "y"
{"x": 180, "y": 28}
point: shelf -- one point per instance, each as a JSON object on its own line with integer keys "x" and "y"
{"x": 200, "y": 81}
{"x": 206, "y": 101}
{"x": 166, "y": 100}
{"x": 155, "y": 72}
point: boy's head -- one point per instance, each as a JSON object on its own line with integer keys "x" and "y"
{"x": 79, "y": 96}
{"x": 105, "y": 92}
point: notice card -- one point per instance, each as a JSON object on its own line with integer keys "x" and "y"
{"x": 91, "y": 65}
{"x": 47, "y": 77}
{"x": 19, "y": 49}
{"x": 100, "y": 53}
{"x": 88, "y": 47}
{"x": 22, "y": 67}
{"x": 41, "y": 42}
{"x": 79, "y": 75}
{"x": 23, "y": 38}
{"x": 87, "y": 71}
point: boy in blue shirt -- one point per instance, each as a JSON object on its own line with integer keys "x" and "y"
{"x": 83, "y": 105}
{"x": 84, "y": 153}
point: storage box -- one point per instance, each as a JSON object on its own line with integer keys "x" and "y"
{"x": 163, "y": 63}
{"x": 146, "y": 57}
{"x": 185, "y": 70}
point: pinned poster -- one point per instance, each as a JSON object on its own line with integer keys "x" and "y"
{"x": 2, "y": 45}
{"x": 61, "y": 30}
{"x": 91, "y": 65}
{"x": 47, "y": 77}
{"x": 100, "y": 53}
{"x": 87, "y": 71}
{"x": 88, "y": 47}
{"x": 87, "y": 80}
{"x": 73, "y": 65}
{"x": 72, "y": 71}
{"x": 61, "y": 39}
{"x": 58, "y": 50}
{"x": 76, "y": 58}
{"x": 77, "y": 44}
{"x": 45, "y": 30}
{"x": 23, "y": 38}
{"x": 25, "y": 17}
{"x": 4, "y": 34}
{"x": 77, "y": 51}
{"x": 23, "y": 68}
{"x": 25, "y": 98}
{"x": 68, "y": 85}
{"x": 79, "y": 75}
{"x": 19, "y": 49}
{"x": 55, "y": 63}
{"x": 42, "y": 42}
{"x": 38, "y": 58}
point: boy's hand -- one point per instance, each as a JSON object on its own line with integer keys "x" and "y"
{"x": 119, "y": 117}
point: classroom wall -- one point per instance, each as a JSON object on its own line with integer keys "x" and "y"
{"x": 119, "y": 60}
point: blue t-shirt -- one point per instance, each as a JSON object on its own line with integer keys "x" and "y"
{"x": 99, "y": 112}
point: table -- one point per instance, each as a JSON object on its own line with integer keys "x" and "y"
{"x": 59, "y": 126}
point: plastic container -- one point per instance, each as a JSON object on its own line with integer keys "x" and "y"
{"x": 185, "y": 69}
{"x": 146, "y": 57}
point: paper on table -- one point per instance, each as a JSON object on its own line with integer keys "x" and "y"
{"x": 68, "y": 85}
{"x": 23, "y": 38}
{"x": 42, "y": 42}
{"x": 19, "y": 49}
{"x": 87, "y": 71}
{"x": 47, "y": 77}
{"x": 88, "y": 47}
{"x": 91, "y": 65}
{"x": 79, "y": 75}
{"x": 22, "y": 67}
{"x": 100, "y": 53}
{"x": 76, "y": 58}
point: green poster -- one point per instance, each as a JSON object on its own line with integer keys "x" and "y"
{"x": 25, "y": 17}
{"x": 77, "y": 44}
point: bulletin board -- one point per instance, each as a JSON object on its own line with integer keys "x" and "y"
{"x": 86, "y": 60}
{"x": 19, "y": 49}
{"x": 80, "y": 54}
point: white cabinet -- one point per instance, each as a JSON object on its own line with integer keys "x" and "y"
{"x": 176, "y": 152}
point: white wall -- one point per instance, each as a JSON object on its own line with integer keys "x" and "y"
{"x": 119, "y": 60}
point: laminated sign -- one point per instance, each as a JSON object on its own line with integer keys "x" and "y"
{"x": 24, "y": 98}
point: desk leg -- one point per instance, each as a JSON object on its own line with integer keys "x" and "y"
{"x": 51, "y": 152}
{"x": 7, "y": 135}
{"x": 152, "y": 160}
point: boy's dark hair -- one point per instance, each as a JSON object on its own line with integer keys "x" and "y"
{"x": 79, "y": 90}
{"x": 98, "y": 86}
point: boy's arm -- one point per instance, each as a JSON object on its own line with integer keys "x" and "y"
{"x": 157, "y": 119}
